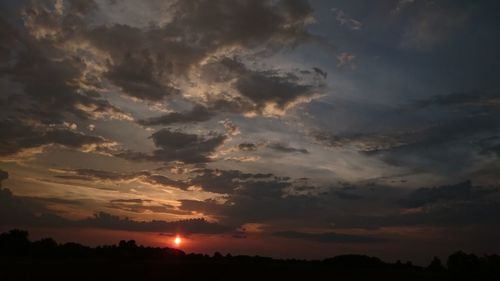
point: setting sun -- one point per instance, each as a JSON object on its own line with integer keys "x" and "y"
{"x": 177, "y": 240}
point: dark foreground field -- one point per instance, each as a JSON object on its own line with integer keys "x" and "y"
{"x": 21, "y": 259}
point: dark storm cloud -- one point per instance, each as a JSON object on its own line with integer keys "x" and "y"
{"x": 135, "y": 74}
{"x": 320, "y": 72}
{"x": 224, "y": 181}
{"x": 328, "y": 237}
{"x": 246, "y": 146}
{"x": 286, "y": 201}
{"x": 154, "y": 58}
{"x": 145, "y": 62}
{"x": 235, "y": 105}
{"x": 183, "y": 147}
{"x": 176, "y": 146}
{"x": 198, "y": 113}
{"x": 49, "y": 78}
{"x": 19, "y": 211}
{"x": 464, "y": 191}
{"x": 19, "y": 136}
{"x": 228, "y": 22}
{"x": 270, "y": 201}
{"x": 262, "y": 202}
{"x": 27, "y": 212}
{"x": 44, "y": 19}
{"x": 282, "y": 147}
{"x": 52, "y": 84}
{"x": 259, "y": 201}
{"x": 261, "y": 88}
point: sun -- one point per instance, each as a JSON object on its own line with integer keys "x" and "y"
{"x": 177, "y": 240}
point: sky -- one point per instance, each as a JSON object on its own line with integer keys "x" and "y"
{"x": 286, "y": 128}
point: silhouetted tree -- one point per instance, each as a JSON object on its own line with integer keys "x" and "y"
{"x": 46, "y": 259}
{"x": 14, "y": 242}
{"x": 436, "y": 265}
{"x": 464, "y": 266}
{"x": 491, "y": 265}
{"x": 352, "y": 261}
{"x": 45, "y": 247}
{"x": 130, "y": 244}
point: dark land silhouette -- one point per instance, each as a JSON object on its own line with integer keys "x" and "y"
{"x": 45, "y": 259}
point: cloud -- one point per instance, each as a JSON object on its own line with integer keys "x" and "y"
{"x": 233, "y": 23}
{"x": 157, "y": 57}
{"x": 455, "y": 205}
{"x": 65, "y": 57}
{"x": 328, "y": 237}
{"x": 262, "y": 91}
{"x": 26, "y": 212}
{"x": 20, "y": 137}
{"x": 460, "y": 129}
{"x": 270, "y": 89}
{"x": 491, "y": 146}
{"x": 458, "y": 214}
{"x": 281, "y": 147}
{"x": 143, "y": 176}
{"x": 139, "y": 205}
{"x": 271, "y": 201}
{"x": 198, "y": 113}
{"x": 224, "y": 181}
{"x": 50, "y": 78}
{"x": 463, "y": 99}
{"x": 320, "y": 72}
{"x": 246, "y": 146}
{"x": 431, "y": 25}
{"x": 347, "y": 195}
{"x": 365, "y": 143}
{"x": 451, "y": 139}
{"x": 190, "y": 226}
{"x": 252, "y": 199}
{"x": 346, "y": 59}
{"x": 464, "y": 191}
{"x": 136, "y": 75}
{"x": 345, "y": 20}
{"x": 402, "y": 4}
{"x": 186, "y": 148}
{"x": 176, "y": 146}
